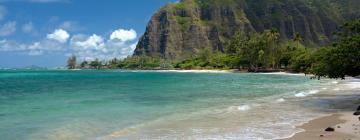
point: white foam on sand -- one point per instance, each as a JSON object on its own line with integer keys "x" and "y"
{"x": 336, "y": 89}
{"x": 301, "y": 94}
{"x": 239, "y": 121}
{"x": 244, "y": 108}
{"x": 232, "y": 109}
{"x": 313, "y": 92}
{"x": 186, "y": 71}
{"x": 280, "y": 100}
{"x": 348, "y": 84}
{"x": 304, "y": 94}
{"x": 284, "y": 73}
{"x": 353, "y": 85}
{"x": 259, "y": 126}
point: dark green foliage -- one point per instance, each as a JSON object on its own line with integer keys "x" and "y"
{"x": 96, "y": 64}
{"x": 344, "y": 57}
{"x": 202, "y": 3}
{"x": 243, "y": 51}
{"x": 255, "y": 51}
{"x": 143, "y": 62}
{"x": 301, "y": 60}
{"x": 185, "y": 22}
{"x": 180, "y": 6}
{"x": 208, "y": 59}
{"x": 84, "y": 64}
{"x": 71, "y": 63}
{"x": 135, "y": 62}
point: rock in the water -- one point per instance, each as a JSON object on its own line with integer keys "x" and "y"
{"x": 329, "y": 129}
{"x": 357, "y": 113}
{"x": 358, "y": 109}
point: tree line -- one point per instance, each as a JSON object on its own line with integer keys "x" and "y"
{"x": 259, "y": 52}
{"x": 132, "y": 62}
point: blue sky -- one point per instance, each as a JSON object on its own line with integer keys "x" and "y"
{"x": 46, "y": 32}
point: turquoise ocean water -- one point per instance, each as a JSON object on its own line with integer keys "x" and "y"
{"x": 117, "y": 104}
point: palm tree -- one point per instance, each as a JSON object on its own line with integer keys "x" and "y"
{"x": 298, "y": 39}
{"x": 71, "y": 63}
{"x": 84, "y": 64}
{"x": 273, "y": 35}
{"x": 96, "y": 64}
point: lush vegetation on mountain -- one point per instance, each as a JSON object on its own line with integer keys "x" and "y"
{"x": 179, "y": 30}
{"x": 258, "y": 52}
{"x": 264, "y": 51}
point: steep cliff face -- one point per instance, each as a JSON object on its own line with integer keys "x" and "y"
{"x": 178, "y": 31}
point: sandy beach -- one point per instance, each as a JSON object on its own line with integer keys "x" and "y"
{"x": 346, "y": 125}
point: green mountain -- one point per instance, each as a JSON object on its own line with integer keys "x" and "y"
{"x": 180, "y": 30}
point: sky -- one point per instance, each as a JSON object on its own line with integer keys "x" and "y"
{"x": 46, "y": 32}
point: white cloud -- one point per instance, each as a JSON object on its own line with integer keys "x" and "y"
{"x": 82, "y": 42}
{"x": 8, "y": 28}
{"x": 6, "y": 46}
{"x": 36, "y": 48}
{"x": 85, "y": 47}
{"x": 3, "y": 12}
{"x": 59, "y": 35}
{"x": 92, "y": 47}
{"x": 123, "y": 35}
{"x": 71, "y": 26}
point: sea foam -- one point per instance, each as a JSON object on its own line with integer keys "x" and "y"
{"x": 193, "y": 71}
{"x": 301, "y": 94}
{"x": 353, "y": 85}
{"x": 304, "y": 94}
{"x": 336, "y": 89}
{"x": 280, "y": 100}
{"x": 283, "y": 73}
{"x": 244, "y": 108}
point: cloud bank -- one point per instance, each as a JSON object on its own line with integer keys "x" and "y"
{"x": 8, "y": 28}
{"x": 33, "y": 49}
{"x": 119, "y": 44}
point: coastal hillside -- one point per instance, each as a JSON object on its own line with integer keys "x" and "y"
{"x": 180, "y": 30}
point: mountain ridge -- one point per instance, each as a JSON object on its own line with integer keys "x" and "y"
{"x": 180, "y": 30}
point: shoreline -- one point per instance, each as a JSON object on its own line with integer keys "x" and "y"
{"x": 199, "y": 71}
{"x": 346, "y": 127}
{"x": 284, "y": 115}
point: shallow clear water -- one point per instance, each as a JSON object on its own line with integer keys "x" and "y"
{"x": 76, "y": 105}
